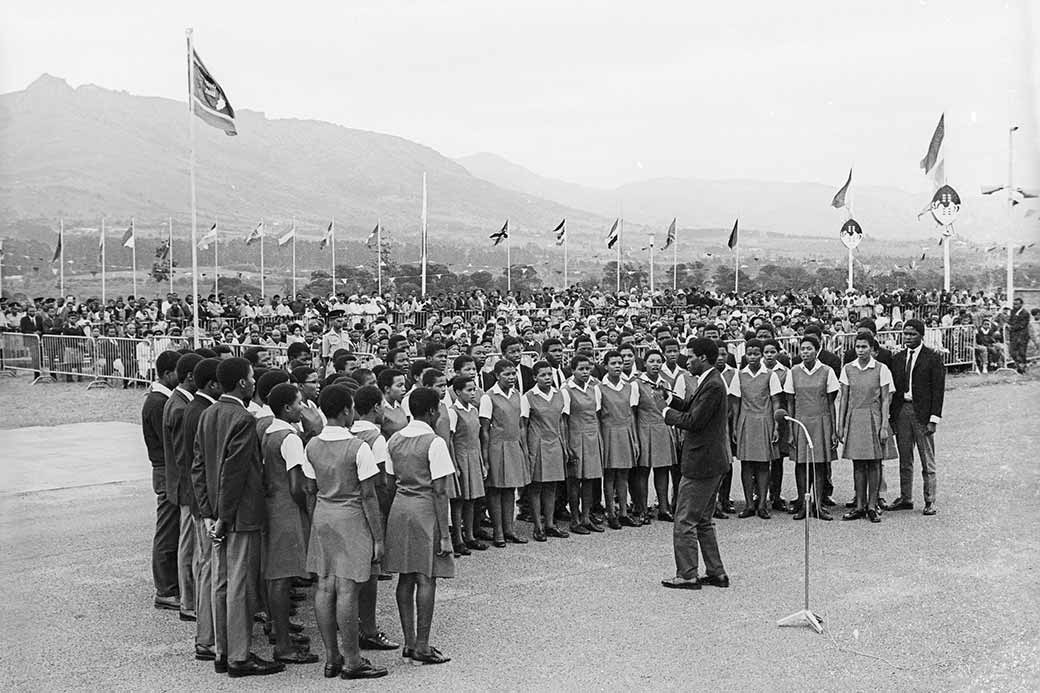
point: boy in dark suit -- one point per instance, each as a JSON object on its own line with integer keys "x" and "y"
{"x": 167, "y": 514}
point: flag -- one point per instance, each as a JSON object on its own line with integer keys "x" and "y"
{"x": 163, "y": 251}
{"x": 128, "y": 236}
{"x": 328, "y": 237}
{"x": 612, "y": 235}
{"x": 931, "y": 158}
{"x": 291, "y": 234}
{"x": 839, "y": 197}
{"x": 256, "y": 234}
{"x": 373, "y": 237}
{"x": 57, "y": 248}
{"x": 670, "y": 238}
{"x": 561, "y": 232}
{"x": 939, "y": 174}
{"x": 208, "y": 100}
{"x": 101, "y": 247}
{"x": 732, "y": 243}
{"x": 502, "y": 235}
{"x": 208, "y": 237}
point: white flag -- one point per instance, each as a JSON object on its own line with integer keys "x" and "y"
{"x": 291, "y": 234}
{"x": 209, "y": 237}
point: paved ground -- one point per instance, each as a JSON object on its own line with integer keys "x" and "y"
{"x": 949, "y": 602}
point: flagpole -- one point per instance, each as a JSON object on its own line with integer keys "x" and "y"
{"x": 61, "y": 259}
{"x": 621, "y": 228}
{"x": 262, "y": 293}
{"x": 294, "y": 258}
{"x": 133, "y": 255}
{"x": 736, "y": 268}
{"x": 1010, "y": 290}
{"x": 946, "y": 262}
{"x": 194, "y": 210}
{"x": 848, "y": 210}
{"x": 651, "y": 265}
{"x": 675, "y": 262}
{"x": 104, "y": 293}
{"x": 216, "y": 257}
{"x": 379, "y": 256}
{"x": 422, "y": 238}
{"x": 566, "y": 243}
{"x": 171, "y": 254}
{"x": 332, "y": 240}
{"x": 509, "y": 268}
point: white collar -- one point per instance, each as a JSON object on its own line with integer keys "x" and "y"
{"x": 571, "y": 383}
{"x": 236, "y": 400}
{"x": 704, "y": 375}
{"x": 870, "y": 364}
{"x": 280, "y": 425}
{"x": 161, "y": 389}
{"x": 495, "y": 389}
{"x": 673, "y": 372}
{"x": 415, "y": 428}
{"x": 205, "y": 396}
{"x": 546, "y": 396}
{"x": 263, "y": 411}
{"x": 458, "y": 404}
{"x": 616, "y": 388}
{"x": 331, "y": 434}
{"x": 361, "y": 425}
{"x": 818, "y": 366}
{"x": 185, "y": 393}
{"x": 747, "y": 369}
{"x": 779, "y": 367}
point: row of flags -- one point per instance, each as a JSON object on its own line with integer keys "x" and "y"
{"x": 560, "y": 233}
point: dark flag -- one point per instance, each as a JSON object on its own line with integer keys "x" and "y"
{"x": 208, "y": 100}
{"x": 128, "y": 239}
{"x": 561, "y": 232}
{"x": 163, "y": 251}
{"x": 500, "y": 236}
{"x": 612, "y": 235}
{"x": 670, "y": 238}
{"x": 57, "y": 249}
{"x": 732, "y": 243}
{"x": 328, "y": 236}
{"x": 839, "y": 198}
{"x": 935, "y": 146}
{"x": 372, "y": 237}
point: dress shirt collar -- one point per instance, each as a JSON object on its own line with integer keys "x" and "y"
{"x": 495, "y": 389}
{"x": 234, "y": 400}
{"x": 460, "y": 405}
{"x": 361, "y": 425}
{"x": 331, "y": 434}
{"x": 816, "y": 366}
{"x": 571, "y": 383}
{"x": 547, "y": 396}
{"x": 161, "y": 389}
{"x": 747, "y": 369}
{"x": 616, "y": 388}
{"x": 872, "y": 363}
{"x": 206, "y": 397}
{"x": 263, "y": 411}
{"x": 187, "y": 395}
{"x": 415, "y": 428}
{"x": 280, "y": 425}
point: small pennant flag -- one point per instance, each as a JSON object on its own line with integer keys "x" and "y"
{"x": 931, "y": 158}
{"x": 612, "y": 235}
{"x": 990, "y": 189}
{"x": 163, "y": 251}
{"x": 256, "y": 234}
{"x": 373, "y": 237}
{"x": 732, "y": 243}
{"x": 208, "y": 100}
{"x": 670, "y": 238}
{"x": 208, "y": 237}
{"x": 57, "y": 248}
{"x": 328, "y": 237}
{"x": 128, "y": 236}
{"x": 288, "y": 236}
{"x": 839, "y": 197}
{"x": 502, "y": 235}
{"x": 561, "y": 232}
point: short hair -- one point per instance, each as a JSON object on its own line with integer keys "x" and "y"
{"x": 612, "y": 354}
{"x": 578, "y": 359}
{"x": 297, "y": 348}
{"x": 583, "y": 337}
{"x": 166, "y": 362}
{"x": 461, "y": 361}
{"x": 339, "y": 352}
{"x": 184, "y": 351}
{"x": 429, "y": 376}
{"x": 627, "y": 346}
{"x": 366, "y": 398}
{"x": 665, "y": 343}
{"x": 361, "y": 374}
{"x": 539, "y": 365}
{"x": 458, "y": 383}
{"x": 432, "y": 348}
{"x": 757, "y": 343}
{"x": 814, "y": 329}
{"x": 502, "y": 364}
{"x": 268, "y": 381}
{"x": 422, "y": 401}
{"x": 770, "y": 342}
{"x": 340, "y": 362}
{"x": 333, "y": 400}
{"x": 386, "y": 378}
{"x": 868, "y": 337}
{"x": 252, "y": 354}
{"x": 394, "y": 353}
{"x": 811, "y": 338}
{"x": 205, "y": 372}
{"x": 232, "y": 370}
{"x": 301, "y": 373}
{"x": 868, "y": 324}
{"x": 394, "y": 340}
{"x": 508, "y": 342}
{"x": 281, "y": 396}
{"x": 206, "y": 353}
{"x": 702, "y": 346}
{"x": 186, "y": 365}
{"x": 219, "y": 349}
{"x": 417, "y": 367}
{"x": 651, "y": 352}
{"x": 550, "y": 342}
{"x": 915, "y": 325}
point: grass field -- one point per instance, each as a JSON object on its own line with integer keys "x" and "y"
{"x": 949, "y": 602}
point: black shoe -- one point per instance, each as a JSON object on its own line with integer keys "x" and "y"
{"x": 379, "y": 641}
{"x": 434, "y": 656}
{"x": 665, "y": 516}
{"x": 460, "y": 549}
{"x": 874, "y": 515}
{"x": 613, "y": 523}
{"x": 333, "y": 670}
{"x": 851, "y": 504}
{"x": 855, "y": 515}
{"x": 563, "y": 514}
{"x": 715, "y": 580}
{"x": 677, "y": 583}
{"x": 828, "y": 502}
{"x": 486, "y": 522}
{"x": 780, "y": 505}
{"x": 718, "y": 514}
{"x": 823, "y": 515}
{"x": 188, "y": 616}
{"x": 172, "y": 603}
{"x": 900, "y": 504}
{"x": 929, "y": 509}
{"x": 800, "y": 515}
{"x": 577, "y": 528}
{"x": 525, "y": 516}
{"x": 729, "y": 508}
{"x": 220, "y": 665}
{"x": 627, "y": 521}
{"x": 365, "y": 670}
{"x": 205, "y": 654}
{"x": 476, "y": 545}
{"x": 593, "y": 527}
{"x": 556, "y": 533}
{"x": 747, "y": 512}
{"x": 514, "y": 539}
{"x": 764, "y": 513}
{"x": 483, "y": 535}
{"x": 254, "y": 666}
{"x": 539, "y": 535}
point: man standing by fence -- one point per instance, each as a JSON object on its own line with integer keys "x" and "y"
{"x": 1018, "y": 328}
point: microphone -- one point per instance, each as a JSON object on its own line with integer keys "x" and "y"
{"x": 780, "y": 415}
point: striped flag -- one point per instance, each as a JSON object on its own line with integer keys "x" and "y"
{"x": 101, "y": 246}
{"x": 612, "y": 235}
{"x": 561, "y": 232}
{"x": 328, "y": 237}
{"x": 208, "y": 100}
{"x": 502, "y": 235}
{"x": 128, "y": 236}
{"x": 256, "y": 234}
{"x": 208, "y": 237}
{"x": 932, "y": 157}
{"x": 57, "y": 248}
{"x": 670, "y": 238}
{"x": 373, "y": 237}
{"x": 288, "y": 236}
{"x": 839, "y": 197}
{"x": 732, "y": 243}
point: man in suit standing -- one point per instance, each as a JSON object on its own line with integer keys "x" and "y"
{"x": 33, "y": 323}
{"x": 920, "y": 382}
{"x": 512, "y": 350}
{"x": 1018, "y": 337}
{"x": 704, "y": 461}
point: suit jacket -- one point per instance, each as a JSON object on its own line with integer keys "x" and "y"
{"x": 927, "y": 389}
{"x": 151, "y": 426}
{"x": 524, "y": 379}
{"x": 227, "y": 447}
{"x": 703, "y": 415}
{"x": 32, "y": 325}
{"x": 192, "y": 414}
{"x": 178, "y": 458}
{"x": 1018, "y": 323}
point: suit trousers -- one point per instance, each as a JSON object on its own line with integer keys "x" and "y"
{"x": 693, "y": 527}
{"x": 776, "y": 478}
{"x": 235, "y": 567}
{"x": 909, "y": 433}
{"x": 164, "y": 544}
{"x": 201, "y": 563}
{"x": 186, "y": 559}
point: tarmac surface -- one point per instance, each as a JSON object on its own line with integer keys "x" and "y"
{"x": 950, "y": 602}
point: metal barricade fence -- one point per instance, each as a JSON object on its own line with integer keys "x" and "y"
{"x": 21, "y": 352}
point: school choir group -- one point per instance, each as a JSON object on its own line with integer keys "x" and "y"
{"x": 282, "y": 480}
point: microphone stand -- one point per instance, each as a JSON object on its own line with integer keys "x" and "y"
{"x": 805, "y": 616}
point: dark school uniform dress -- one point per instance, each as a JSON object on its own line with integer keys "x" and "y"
{"x": 507, "y": 464}
{"x": 545, "y": 454}
{"x": 812, "y": 407}
{"x": 443, "y": 429}
{"x": 754, "y": 429}
{"x": 863, "y": 413}
{"x": 285, "y": 540}
{"x": 465, "y": 438}
{"x": 583, "y": 435}
{"x": 418, "y": 457}
{"x": 618, "y": 424}
{"x": 656, "y": 440}
{"x": 341, "y": 543}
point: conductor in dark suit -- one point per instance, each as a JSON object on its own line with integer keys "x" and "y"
{"x": 704, "y": 461}
{"x": 920, "y": 381}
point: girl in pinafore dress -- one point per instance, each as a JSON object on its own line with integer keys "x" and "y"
{"x": 755, "y": 392}
{"x": 502, "y": 448}
{"x": 656, "y": 442}
{"x": 617, "y": 424}
{"x": 866, "y": 393}
{"x": 418, "y": 541}
{"x": 811, "y": 388}
{"x": 436, "y": 381}
{"x": 346, "y": 533}
{"x": 464, "y": 423}
{"x": 544, "y": 429}
{"x": 584, "y": 444}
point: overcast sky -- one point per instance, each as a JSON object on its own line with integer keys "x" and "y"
{"x": 593, "y": 92}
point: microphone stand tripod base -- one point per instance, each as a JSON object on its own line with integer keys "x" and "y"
{"x": 802, "y": 618}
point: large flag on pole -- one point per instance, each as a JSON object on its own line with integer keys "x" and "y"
{"x": 163, "y": 251}
{"x": 934, "y": 154}
{"x": 128, "y": 236}
{"x": 101, "y": 248}
{"x": 561, "y": 232}
{"x": 500, "y": 236}
{"x": 208, "y": 100}
{"x": 326, "y": 239}
{"x": 733, "y": 240}
{"x": 57, "y": 248}
{"x": 372, "y": 237}
{"x": 208, "y": 237}
{"x": 256, "y": 234}
{"x": 612, "y": 235}
{"x": 839, "y": 197}
{"x": 291, "y": 234}
{"x": 670, "y": 238}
